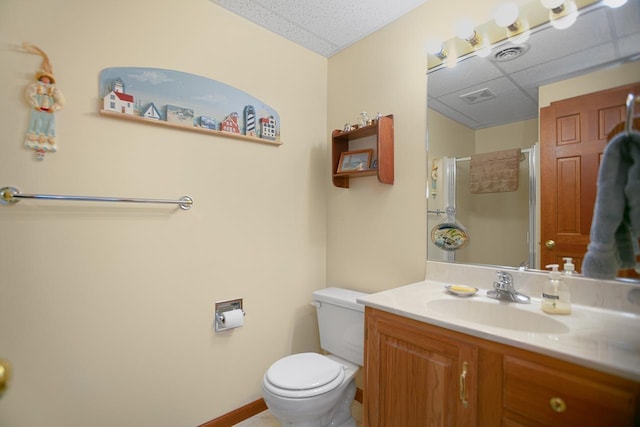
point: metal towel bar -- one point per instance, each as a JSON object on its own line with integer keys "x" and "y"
{"x": 9, "y": 195}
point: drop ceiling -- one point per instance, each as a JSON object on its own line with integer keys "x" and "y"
{"x": 502, "y": 92}
{"x": 485, "y": 92}
{"x": 323, "y": 26}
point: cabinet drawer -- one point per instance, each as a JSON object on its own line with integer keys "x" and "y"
{"x": 565, "y": 397}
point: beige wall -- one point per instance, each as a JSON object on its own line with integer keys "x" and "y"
{"x": 376, "y": 233}
{"x": 106, "y": 310}
{"x": 607, "y": 78}
{"x": 523, "y": 134}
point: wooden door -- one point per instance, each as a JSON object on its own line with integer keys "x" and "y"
{"x": 573, "y": 135}
{"x": 415, "y": 379}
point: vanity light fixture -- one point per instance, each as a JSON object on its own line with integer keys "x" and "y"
{"x": 513, "y": 21}
{"x": 562, "y": 14}
{"x": 506, "y": 15}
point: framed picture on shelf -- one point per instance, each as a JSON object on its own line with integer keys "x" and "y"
{"x": 354, "y": 161}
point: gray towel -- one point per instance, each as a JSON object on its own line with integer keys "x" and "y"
{"x": 615, "y": 226}
{"x": 632, "y": 189}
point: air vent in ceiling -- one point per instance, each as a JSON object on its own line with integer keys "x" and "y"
{"x": 478, "y": 96}
{"x": 510, "y": 53}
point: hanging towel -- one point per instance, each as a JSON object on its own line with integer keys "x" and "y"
{"x": 615, "y": 226}
{"x": 495, "y": 172}
{"x": 632, "y": 189}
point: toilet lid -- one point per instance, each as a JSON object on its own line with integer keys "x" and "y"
{"x": 303, "y": 371}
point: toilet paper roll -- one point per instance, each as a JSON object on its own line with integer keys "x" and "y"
{"x": 233, "y": 319}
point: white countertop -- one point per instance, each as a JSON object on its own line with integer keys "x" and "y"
{"x": 606, "y": 340}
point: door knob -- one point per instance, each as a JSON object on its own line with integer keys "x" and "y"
{"x": 550, "y": 244}
{"x": 5, "y": 374}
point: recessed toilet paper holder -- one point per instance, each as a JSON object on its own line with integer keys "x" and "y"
{"x": 221, "y": 308}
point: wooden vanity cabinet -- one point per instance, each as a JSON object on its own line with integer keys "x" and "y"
{"x": 413, "y": 378}
{"x": 541, "y": 391}
{"x": 417, "y": 374}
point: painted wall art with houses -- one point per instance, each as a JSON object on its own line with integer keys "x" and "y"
{"x": 188, "y": 101}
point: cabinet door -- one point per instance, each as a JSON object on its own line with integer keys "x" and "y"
{"x": 415, "y": 376}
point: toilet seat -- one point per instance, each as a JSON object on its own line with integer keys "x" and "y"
{"x": 303, "y": 375}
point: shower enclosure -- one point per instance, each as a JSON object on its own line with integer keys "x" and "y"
{"x": 501, "y": 225}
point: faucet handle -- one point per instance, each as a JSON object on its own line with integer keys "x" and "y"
{"x": 504, "y": 276}
{"x": 505, "y": 281}
{"x": 504, "y": 289}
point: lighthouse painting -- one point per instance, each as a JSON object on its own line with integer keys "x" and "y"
{"x": 187, "y": 100}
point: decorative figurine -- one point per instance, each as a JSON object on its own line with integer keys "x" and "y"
{"x": 46, "y": 99}
{"x": 364, "y": 120}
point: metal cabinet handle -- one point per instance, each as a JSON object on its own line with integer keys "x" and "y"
{"x": 550, "y": 244}
{"x": 463, "y": 385}
{"x": 5, "y": 374}
{"x": 557, "y": 404}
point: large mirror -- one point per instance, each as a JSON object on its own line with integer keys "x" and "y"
{"x": 489, "y": 104}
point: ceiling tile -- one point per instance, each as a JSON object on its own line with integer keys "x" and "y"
{"x": 325, "y": 27}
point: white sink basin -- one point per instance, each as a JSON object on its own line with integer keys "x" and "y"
{"x": 497, "y": 314}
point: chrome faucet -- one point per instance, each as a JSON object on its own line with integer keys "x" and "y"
{"x": 503, "y": 289}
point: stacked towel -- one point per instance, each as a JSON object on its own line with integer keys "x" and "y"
{"x": 495, "y": 172}
{"x": 615, "y": 227}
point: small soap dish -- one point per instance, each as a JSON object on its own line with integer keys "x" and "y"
{"x": 461, "y": 290}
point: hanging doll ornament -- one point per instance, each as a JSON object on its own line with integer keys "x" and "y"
{"x": 45, "y": 99}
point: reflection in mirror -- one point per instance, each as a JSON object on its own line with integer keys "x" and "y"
{"x": 505, "y": 219}
{"x": 490, "y": 104}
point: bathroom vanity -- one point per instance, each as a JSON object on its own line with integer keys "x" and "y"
{"x": 432, "y": 358}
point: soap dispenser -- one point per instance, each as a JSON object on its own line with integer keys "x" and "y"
{"x": 569, "y": 268}
{"x": 555, "y": 296}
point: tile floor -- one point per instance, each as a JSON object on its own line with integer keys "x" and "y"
{"x": 265, "y": 419}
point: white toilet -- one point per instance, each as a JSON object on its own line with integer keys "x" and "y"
{"x": 315, "y": 390}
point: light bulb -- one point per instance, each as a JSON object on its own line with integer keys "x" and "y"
{"x": 614, "y": 3}
{"x": 552, "y": 4}
{"x": 435, "y": 48}
{"x": 506, "y": 14}
{"x": 565, "y": 22}
{"x": 464, "y": 29}
{"x": 566, "y": 18}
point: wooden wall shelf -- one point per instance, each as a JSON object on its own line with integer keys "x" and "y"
{"x": 383, "y": 147}
{"x": 187, "y": 128}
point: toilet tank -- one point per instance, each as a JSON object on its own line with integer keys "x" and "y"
{"x": 341, "y": 323}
